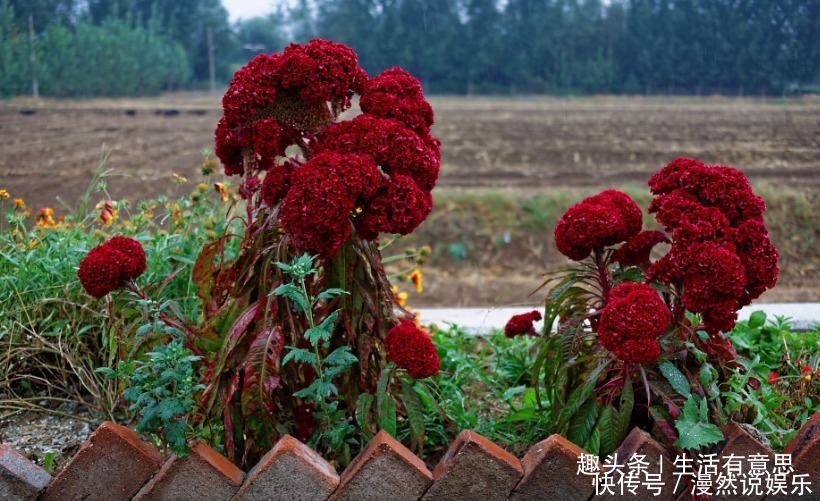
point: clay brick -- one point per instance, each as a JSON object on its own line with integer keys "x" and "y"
{"x": 805, "y": 454}
{"x": 551, "y": 472}
{"x": 19, "y": 477}
{"x": 112, "y": 465}
{"x": 385, "y": 470}
{"x": 202, "y": 475}
{"x": 474, "y": 468}
{"x": 810, "y": 432}
{"x": 740, "y": 444}
{"x": 291, "y": 470}
{"x": 639, "y": 443}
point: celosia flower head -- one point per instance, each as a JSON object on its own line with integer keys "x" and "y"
{"x": 522, "y": 325}
{"x": 609, "y": 218}
{"x": 107, "y": 266}
{"x": 412, "y": 349}
{"x": 632, "y": 321}
{"x": 294, "y": 98}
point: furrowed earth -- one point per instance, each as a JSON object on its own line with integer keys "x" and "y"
{"x": 491, "y": 241}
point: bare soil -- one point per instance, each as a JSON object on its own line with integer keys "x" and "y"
{"x": 49, "y": 150}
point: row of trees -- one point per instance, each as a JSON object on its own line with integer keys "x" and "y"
{"x": 106, "y": 47}
{"x": 590, "y": 46}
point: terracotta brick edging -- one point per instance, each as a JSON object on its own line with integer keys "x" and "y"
{"x": 115, "y": 464}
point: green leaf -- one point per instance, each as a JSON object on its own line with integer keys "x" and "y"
{"x": 525, "y": 414}
{"x": 608, "y": 431}
{"x": 341, "y": 356}
{"x": 415, "y": 412}
{"x": 301, "y": 356}
{"x": 295, "y": 294}
{"x": 331, "y": 293}
{"x": 381, "y": 389}
{"x": 583, "y": 423}
{"x": 363, "y": 407}
{"x": 316, "y": 334}
{"x": 675, "y": 378}
{"x": 579, "y": 396}
{"x": 174, "y": 434}
{"x": 625, "y": 409}
{"x": 388, "y": 416}
{"x": 330, "y": 321}
{"x": 757, "y": 319}
{"x": 694, "y": 429}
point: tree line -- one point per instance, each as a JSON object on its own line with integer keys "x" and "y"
{"x": 138, "y": 47}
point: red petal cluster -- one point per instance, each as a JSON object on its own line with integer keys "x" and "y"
{"x": 373, "y": 173}
{"x": 412, "y": 349}
{"x": 324, "y": 194}
{"x": 636, "y": 250}
{"x": 608, "y": 218}
{"x": 632, "y": 321}
{"x": 721, "y": 251}
{"x": 106, "y": 266}
{"x": 397, "y": 94}
{"x": 522, "y": 325}
{"x": 275, "y": 96}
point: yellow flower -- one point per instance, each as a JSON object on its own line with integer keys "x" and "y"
{"x": 179, "y": 178}
{"x": 4, "y": 194}
{"x": 401, "y": 297}
{"x": 19, "y": 203}
{"x": 416, "y": 278}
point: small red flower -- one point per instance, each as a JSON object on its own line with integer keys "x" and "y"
{"x": 773, "y": 377}
{"x": 522, "y": 325}
{"x": 806, "y": 369}
{"x": 410, "y": 348}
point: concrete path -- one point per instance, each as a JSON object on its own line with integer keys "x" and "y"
{"x": 483, "y": 320}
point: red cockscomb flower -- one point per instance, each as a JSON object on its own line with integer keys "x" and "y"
{"x": 632, "y": 321}
{"x": 135, "y": 262}
{"x": 411, "y": 349}
{"x": 108, "y": 265}
{"x": 605, "y": 219}
{"x": 276, "y": 184}
{"x": 522, "y": 325}
{"x": 636, "y": 250}
{"x": 399, "y": 209}
{"x": 668, "y": 179}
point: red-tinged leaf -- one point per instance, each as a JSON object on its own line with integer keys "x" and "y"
{"x": 238, "y": 329}
{"x": 227, "y": 417}
{"x": 205, "y": 269}
{"x": 261, "y": 372}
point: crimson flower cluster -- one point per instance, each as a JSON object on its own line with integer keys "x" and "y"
{"x": 632, "y": 321}
{"x": 412, "y": 349}
{"x": 372, "y": 174}
{"x": 721, "y": 252}
{"x": 107, "y": 266}
{"x": 608, "y": 218}
{"x": 522, "y": 325}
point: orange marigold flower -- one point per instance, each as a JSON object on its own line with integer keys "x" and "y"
{"x": 45, "y": 218}
{"x": 19, "y": 203}
{"x": 108, "y": 211}
{"x": 4, "y": 194}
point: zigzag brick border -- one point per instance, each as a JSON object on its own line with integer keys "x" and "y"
{"x": 115, "y": 464}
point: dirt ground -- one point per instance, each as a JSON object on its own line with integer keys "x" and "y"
{"x": 49, "y": 151}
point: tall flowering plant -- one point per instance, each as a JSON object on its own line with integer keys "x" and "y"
{"x": 640, "y": 341}
{"x": 313, "y": 183}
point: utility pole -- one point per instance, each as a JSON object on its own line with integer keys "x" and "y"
{"x": 35, "y": 88}
{"x": 211, "y": 66}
